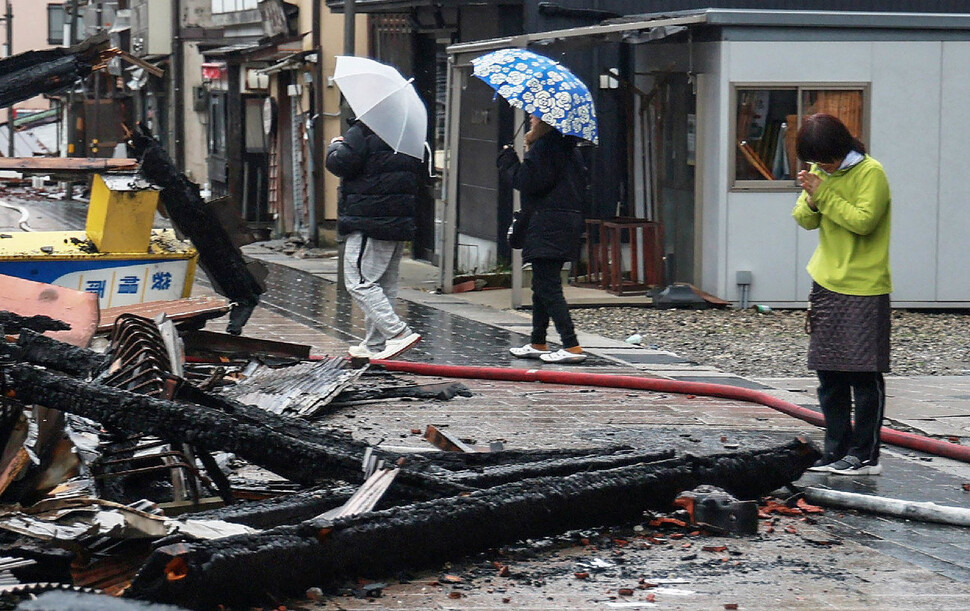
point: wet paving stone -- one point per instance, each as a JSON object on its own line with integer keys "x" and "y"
{"x": 446, "y": 338}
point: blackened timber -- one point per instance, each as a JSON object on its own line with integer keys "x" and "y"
{"x": 285, "y": 446}
{"x": 502, "y": 474}
{"x": 456, "y": 461}
{"x": 287, "y": 560}
{"x": 13, "y": 323}
{"x": 218, "y": 255}
{"x": 54, "y": 354}
{"x": 285, "y": 509}
{"x": 25, "y": 75}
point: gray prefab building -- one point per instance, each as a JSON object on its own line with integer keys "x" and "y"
{"x": 716, "y": 97}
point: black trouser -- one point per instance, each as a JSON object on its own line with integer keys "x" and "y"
{"x": 835, "y": 394}
{"x": 548, "y": 301}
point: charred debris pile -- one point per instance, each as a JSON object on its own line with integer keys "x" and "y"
{"x": 198, "y": 469}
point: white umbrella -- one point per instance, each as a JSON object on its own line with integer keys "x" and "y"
{"x": 385, "y": 102}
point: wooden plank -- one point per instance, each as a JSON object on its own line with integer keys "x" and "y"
{"x": 66, "y": 164}
{"x": 76, "y": 308}
{"x": 176, "y": 309}
{"x": 366, "y": 497}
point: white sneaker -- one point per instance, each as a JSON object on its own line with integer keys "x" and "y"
{"x": 563, "y": 356}
{"x": 527, "y": 352}
{"x": 397, "y": 345}
{"x": 360, "y": 352}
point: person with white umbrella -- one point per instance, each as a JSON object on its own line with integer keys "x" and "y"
{"x": 380, "y": 162}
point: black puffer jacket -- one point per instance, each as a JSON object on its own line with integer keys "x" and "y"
{"x": 552, "y": 181}
{"x": 379, "y": 191}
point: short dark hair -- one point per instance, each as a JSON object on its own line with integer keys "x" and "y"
{"x": 825, "y": 138}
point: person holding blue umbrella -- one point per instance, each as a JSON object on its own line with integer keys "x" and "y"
{"x": 552, "y": 179}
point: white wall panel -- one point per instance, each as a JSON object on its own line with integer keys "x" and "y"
{"x": 904, "y": 133}
{"x": 953, "y": 246}
{"x": 762, "y": 238}
{"x": 799, "y": 62}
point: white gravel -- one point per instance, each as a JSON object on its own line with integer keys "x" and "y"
{"x": 774, "y": 344}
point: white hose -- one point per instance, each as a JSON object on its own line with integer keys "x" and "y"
{"x": 24, "y": 215}
{"x": 912, "y": 510}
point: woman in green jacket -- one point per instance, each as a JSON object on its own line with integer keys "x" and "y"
{"x": 846, "y": 198}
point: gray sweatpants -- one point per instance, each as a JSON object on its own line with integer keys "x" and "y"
{"x": 371, "y": 270}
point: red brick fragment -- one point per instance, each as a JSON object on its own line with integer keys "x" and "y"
{"x": 454, "y": 594}
{"x": 651, "y": 598}
{"x": 450, "y": 579}
{"x": 504, "y": 572}
{"x": 625, "y": 591}
{"x": 804, "y": 506}
{"x": 966, "y": 487}
{"x": 714, "y": 548}
{"x": 730, "y": 605}
{"x": 790, "y": 529}
{"x": 664, "y": 520}
{"x": 676, "y": 535}
{"x": 581, "y": 575}
{"x": 506, "y": 600}
{"x": 415, "y": 431}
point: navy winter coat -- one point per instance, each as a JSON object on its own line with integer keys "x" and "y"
{"x": 379, "y": 190}
{"x": 552, "y": 183}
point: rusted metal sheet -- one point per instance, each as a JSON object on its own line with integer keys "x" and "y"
{"x": 445, "y": 441}
{"x": 76, "y": 308}
{"x": 223, "y": 344}
{"x": 301, "y": 390}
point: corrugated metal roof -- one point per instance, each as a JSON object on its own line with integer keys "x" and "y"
{"x": 299, "y": 390}
{"x": 732, "y": 18}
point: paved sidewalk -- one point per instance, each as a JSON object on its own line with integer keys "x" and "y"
{"x": 477, "y": 328}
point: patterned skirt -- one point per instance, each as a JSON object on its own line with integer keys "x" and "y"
{"x": 848, "y": 332}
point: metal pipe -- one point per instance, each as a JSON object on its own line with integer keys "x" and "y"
{"x": 350, "y": 18}
{"x": 8, "y": 21}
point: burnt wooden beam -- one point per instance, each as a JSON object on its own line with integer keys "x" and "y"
{"x": 54, "y": 354}
{"x": 486, "y": 477}
{"x": 25, "y": 75}
{"x": 219, "y": 257}
{"x": 288, "y": 447}
{"x": 281, "y": 510}
{"x": 287, "y": 560}
{"x": 13, "y": 323}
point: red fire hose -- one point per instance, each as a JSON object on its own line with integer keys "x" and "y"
{"x": 899, "y": 438}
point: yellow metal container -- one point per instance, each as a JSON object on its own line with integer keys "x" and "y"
{"x": 121, "y": 213}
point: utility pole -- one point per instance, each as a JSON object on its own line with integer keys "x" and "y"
{"x": 350, "y": 24}
{"x": 8, "y": 21}
{"x": 178, "y": 95}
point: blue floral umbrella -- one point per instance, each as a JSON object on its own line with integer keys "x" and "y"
{"x": 541, "y": 87}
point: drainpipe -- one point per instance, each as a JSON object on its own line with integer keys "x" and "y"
{"x": 314, "y": 125}
{"x": 350, "y": 19}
